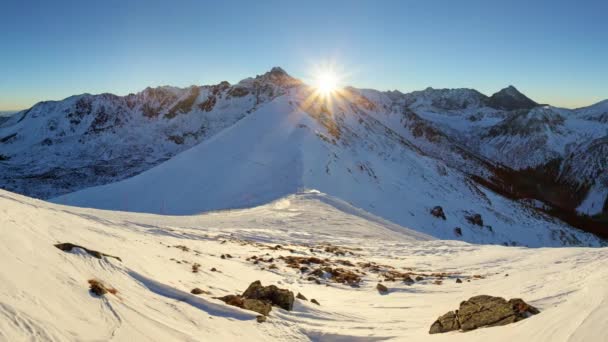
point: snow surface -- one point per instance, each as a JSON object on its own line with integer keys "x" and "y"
{"x": 44, "y": 294}
{"x": 285, "y": 146}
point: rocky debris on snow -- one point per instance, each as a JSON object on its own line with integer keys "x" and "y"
{"x": 296, "y": 261}
{"x": 260, "y": 318}
{"x": 301, "y": 296}
{"x": 408, "y": 280}
{"x": 381, "y": 288}
{"x": 437, "y": 211}
{"x": 67, "y": 247}
{"x": 483, "y": 311}
{"x": 419, "y": 278}
{"x": 314, "y": 301}
{"x": 195, "y": 267}
{"x": 282, "y": 298}
{"x": 458, "y": 231}
{"x": 182, "y": 247}
{"x": 475, "y": 219}
{"x": 98, "y": 288}
{"x": 213, "y": 269}
{"x": 458, "y": 281}
{"x": 338, "y": 275}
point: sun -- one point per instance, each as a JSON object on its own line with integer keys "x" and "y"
{"x": 326, "y": 82}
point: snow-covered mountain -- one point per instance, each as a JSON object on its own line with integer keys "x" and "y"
{"x": 45, "y": 294}
{"x": 60, "y": 146}
{"x": 501, "y": 158}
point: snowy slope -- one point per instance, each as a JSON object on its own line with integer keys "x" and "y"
{"x": 342, "y": 149}
{"x": 44, "y": 294}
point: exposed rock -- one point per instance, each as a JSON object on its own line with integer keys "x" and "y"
{"x": 419, "y": 278}
{"x": 98, "y": 288}
{"x": 67, "y": 247}
{"x": 198, "y": 291}
{"x": 381, "y": 288}
{"x": 408, "y": 280}
{"x": 445, "y": 323}
{"x": 483, "y": 311}
{"x": 280, "y": 297}
{"x": 475, "y": 219}
{"x": 213, "y": 269}
{"x": 257, "y": 305}
{"x": 458, "y": 281}
{"x": 301, "y": 296}
{"x": 314, "y": 301}
{"x": 458, "y": 231}
{"x": 438, "y": 212}
{"x": 260, "y": 318}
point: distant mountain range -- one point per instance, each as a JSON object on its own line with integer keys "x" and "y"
{"x": 503, "y": 168}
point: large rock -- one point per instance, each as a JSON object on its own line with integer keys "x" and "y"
{"x": 483, "y": 311}
{"x": 256, "y": 305}
{"x": 445, "y": 323}
{"x": 280, "y": 297}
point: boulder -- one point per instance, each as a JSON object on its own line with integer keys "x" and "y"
{"x": 301, "y": 296}
{"x": 437, "y": 211}
{"x": 280, "y": 297}
{"x": 483, "y": 311}
{"x": 257, "y": 305}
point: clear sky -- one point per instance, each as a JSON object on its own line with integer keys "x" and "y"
{"x": 554, "y": 51}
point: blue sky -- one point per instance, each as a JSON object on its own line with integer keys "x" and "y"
{"x": 554, "y": 51}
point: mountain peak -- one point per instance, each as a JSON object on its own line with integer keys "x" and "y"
{"x": 510, "y": 98}
{"x": 279, "y": 77}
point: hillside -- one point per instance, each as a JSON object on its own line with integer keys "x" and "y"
{"x": 45, "y": 293}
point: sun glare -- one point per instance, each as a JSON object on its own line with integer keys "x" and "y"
{"x": 326, "y": 82}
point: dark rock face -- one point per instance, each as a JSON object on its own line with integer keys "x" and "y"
{"x": 510, "y": 99}
{"x": 458, "y": 231}
{"x": 301, "y": 296}
{"x": 483, "y": 311}
{"x": 280, "y": 297}
{"x": 438, "y": 212}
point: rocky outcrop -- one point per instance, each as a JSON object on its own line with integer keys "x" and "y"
{"x": 483, "y": 311}
{"x": 280, "y": 297}
{"x": 260, "y": 298}
{"x": 510, "y": 99}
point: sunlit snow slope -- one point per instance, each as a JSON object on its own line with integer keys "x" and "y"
{"x": 44, "y": 294}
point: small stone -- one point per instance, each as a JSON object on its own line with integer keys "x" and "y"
{"x": 458, "y": 281}
{"x": 314, "y": 301}
{"x": 198, "y": 291}
{"x": 381, "y": 288}
{"x": 260, "y": 318}
{"x": 419, "y": 278}
{"x": 301, "y": 296}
